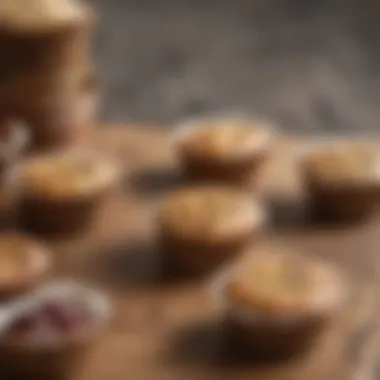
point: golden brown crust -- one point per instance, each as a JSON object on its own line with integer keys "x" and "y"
{"x": 285, "y": 285}
{"x": 23, "y": 262}
{"x": 210, "y": 214}
{"x": 224, "y": 140}
{"x": 40, "y": 15}
{"x": 345, "y": 163}
{"x": 70, "y": 175}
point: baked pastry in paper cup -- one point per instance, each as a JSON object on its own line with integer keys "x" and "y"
{"x": 200, "y": 228}
{"x": 342, "y": 181}
{"x": 277, "y": 304}
{"x": 46, "y": 334}
{"x": 229, "y": 149}
{"x": 62, "y": 192}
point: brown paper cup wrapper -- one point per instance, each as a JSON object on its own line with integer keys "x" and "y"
{"x": 53, "y": 364}
{"x": 194, "y": 258}
{"x": 343, "y": 204}
{"x": 237, "y": 173}
{"x": 59, "y": 217}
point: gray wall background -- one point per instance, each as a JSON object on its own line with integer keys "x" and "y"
{"x": 308, "y": 64}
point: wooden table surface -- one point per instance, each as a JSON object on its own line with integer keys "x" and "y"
{"x": 162, "y": 330}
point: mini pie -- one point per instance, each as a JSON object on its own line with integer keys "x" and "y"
{"x": 203, "y": 226}
{"x": 343, "y": 180}
{"x": 48, "y": 337}
{"x": 278, "y": 302}
{"x": 61, "y": 191}
{"x": 223, "y": 150}
{"x": 23, "y": 264}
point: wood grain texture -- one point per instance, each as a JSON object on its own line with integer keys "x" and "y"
{"x": 169, "y": 330}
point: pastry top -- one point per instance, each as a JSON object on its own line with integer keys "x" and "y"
{"x": 210, "y": 214}
{"x": 284, "y": 284}
{"x": 74, "y": 174}
{"x": 31, "y": 15}
{"x": 354, "y": 163}
{"x": 22, "y": 262}
{"x": 225, "y": 140}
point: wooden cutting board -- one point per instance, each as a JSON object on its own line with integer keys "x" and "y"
{"x": 163, "y": 330}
